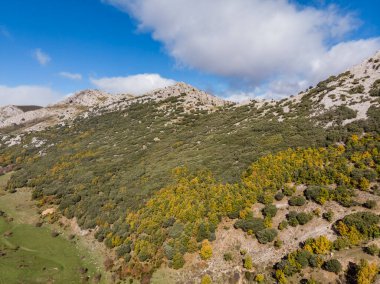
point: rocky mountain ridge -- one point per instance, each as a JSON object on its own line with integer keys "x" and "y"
{"x": 351, "y": 89}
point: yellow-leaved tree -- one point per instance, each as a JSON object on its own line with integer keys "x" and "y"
{"x": 206, "y": 250}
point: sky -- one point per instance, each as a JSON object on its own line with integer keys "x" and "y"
{"x": 233, "y": 49}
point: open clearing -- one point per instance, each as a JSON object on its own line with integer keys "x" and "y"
{"x": 30, "y": 254}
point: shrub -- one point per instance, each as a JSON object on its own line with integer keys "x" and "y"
{"x": 260, "y": 278}
{"x": 320, "y": 245}
{"x": 343, "y": 196}
{"x": 278, "y": 243}
{"x": 206, "y": 279}
{"x": 297, "y": 201}
{"x": 357, "y": 90}
{"x": 364, "y": 222}
{"x": 227, "y": 256}
{"x": 280, "y": 276}
{"x": 333, "y": 265}
{"x": 206, "y": 250}
{"x": 279, "y": 196}
{"x": 176, "y": 230}
{"x": 123, "y": 249}
{"x": 288, "y": 190}
{"x": 255, "y": 224}
{"x": 370, "y": 204}
{"x": 366, "y": 272}
{"x": 341, "y": 243}
{"x": 178, "y": 261}
{"x": 303, "y": 218}
{"x": 329, "y": 215}
{"x": 168, "y": 251}
{"x": 266, "y": 236}
{"x": 375, "y": 89}
{"x": 311, "y": 281}
{"x": 269, "y": 210}
{"x": 292, "y": 218}
{"x": 315, "y": 261}
{"x": 296, "y": 219}
{"x": 283, "y": 225}
{"x": 127, "y": 257}
{"x": 248, "y": 262}
{"x": 372, "y": 249}
{"x": 318, "y": 194}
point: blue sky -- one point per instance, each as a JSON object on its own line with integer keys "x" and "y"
{"x": 62, "y": 46}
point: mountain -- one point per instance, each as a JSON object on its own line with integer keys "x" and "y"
{"x": 350, "y": 89}
{"x": 181, "y": 184}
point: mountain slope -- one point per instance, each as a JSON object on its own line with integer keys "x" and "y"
{"x": 113, "y": 156}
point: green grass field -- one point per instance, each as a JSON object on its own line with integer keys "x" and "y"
{"x": 30, "y": 254}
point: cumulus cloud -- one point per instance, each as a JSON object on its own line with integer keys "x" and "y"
{"x": 135, "y": 84}
{"x": 253, "y": 41}
{"x": 42, "y": 57}
{"x": 71, "y": 76}
{"x": 27, "y": 95}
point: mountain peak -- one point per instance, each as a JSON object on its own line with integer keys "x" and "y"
{"x": 88, "y": 98}
{"x": 192, "y": 97}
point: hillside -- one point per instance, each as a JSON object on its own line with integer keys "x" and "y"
{"x": 153, "y": 177}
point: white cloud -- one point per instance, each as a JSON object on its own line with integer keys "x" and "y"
{"x": 253, "y": 41}
{"x": 239, "y": 97}
{"x": 71, "y": 76}
{"x": 42, "y": 57}
{"x": 135, "y": 84}
{"x": 27, "y": 95}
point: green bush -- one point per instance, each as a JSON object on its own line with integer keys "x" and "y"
{"x": 266, "y": 236}
{"x": 297, "y": 201}
{"x": 333, "y": 265}
{"x": 255, "y": 224}
{"x": 375, "y": 89}
{"x": 372, "y": 249}
{"x": 279, "y": 196}
{"x": 341, "y": 243}
{"x": 127, "y": 257}
{"x": 178, "y": 261}
{"x": 296, "y": 219}
{"x": 329, "y": 215}
{"x": 288, "y": 190}
{"x": 227, "y": 256}
{"x": 292, "y": 218}
{"x": 303, "y": 218}
{"x": 123, "y": 250}
{"x": 343, "y": 196}
{"x": 283, "y": 225}
{"x": 318, "y": 194}
{"x": 370, "y": 204}
{"x": 365, "y": 222}
{"x": 269, "y": 210}
{"x": 357, "y": 90}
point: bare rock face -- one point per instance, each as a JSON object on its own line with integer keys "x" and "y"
{"x": 190, "y": 97}
{"x": 351, "y": 89}
{"x": 9, "y": 111}
{"x": 89, "y": 98}
{"x": 39, "y": 118}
